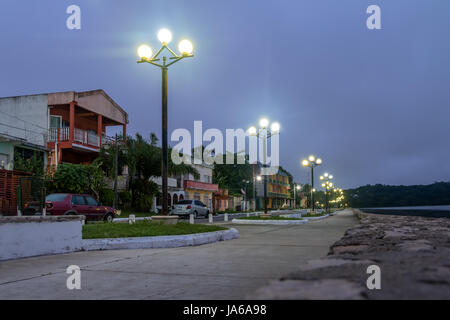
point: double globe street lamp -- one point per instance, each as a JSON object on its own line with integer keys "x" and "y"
{"x": 312, "y": 162}
{"x": 169, "y": 57}
{"x": 265, "y": 133}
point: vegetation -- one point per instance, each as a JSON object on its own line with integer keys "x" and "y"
{"x": 309, "y": 215}
{"x": 372, "y": 196}
{"x": 77, "y": 178}
{"x": 269, "y": 218}
{"x": 232, "y": 177}
{"x": 33, "y": 164}
{"x": 143, "y": 159}
{"x": 143, "y": 229}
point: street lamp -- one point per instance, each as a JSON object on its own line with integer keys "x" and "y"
{"x": 327, "y": 185}
{"x": 265, "y": 133}
{"x": 296, "y": 188}
{"x": 312, "y": 162}
{"x": 145, "y": 52}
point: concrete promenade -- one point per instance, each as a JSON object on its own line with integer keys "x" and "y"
{"x": 223, "y": 270}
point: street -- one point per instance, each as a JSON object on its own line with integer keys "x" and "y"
{"x": 224, "y": 270}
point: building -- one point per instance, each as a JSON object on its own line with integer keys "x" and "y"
{"x": 200, "y": 189}
{"x": 65, "y": 126}
{"x": 221, "y": 200}
{"x": 175, "y": 190}
{"x": 278, "y": 191}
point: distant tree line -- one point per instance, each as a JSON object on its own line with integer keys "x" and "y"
{"x": 379, "y": 195}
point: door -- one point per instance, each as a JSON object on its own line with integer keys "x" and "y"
{"x": 80, "y": 206}
{"x": 94, "y": 210}
{"x": 201, "y": 208}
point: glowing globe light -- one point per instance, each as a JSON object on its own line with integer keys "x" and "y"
{"x": 252, "y": 131}
{"x": 145, "y": 51}
{"x": 165, "y": 36}
{"x": 319, "y": 161}
{"x": 312, "y": 158}
{"x": 185, "y": 47}
{"x": 263, "y": 123}
{"x": 305, "y": 163}
{"x": 275, "y": 127}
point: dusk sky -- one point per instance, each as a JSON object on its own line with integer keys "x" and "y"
{"x": 373, "y": 104}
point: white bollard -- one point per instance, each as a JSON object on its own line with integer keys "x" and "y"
{"x": 210, "y": 218}
{"x": 225, "y": 217}
{"x": 131, "y": 219}
{"x": 191, "y": 219}
{"x": 83, "y": 222}
{"x": 248, "y": 214}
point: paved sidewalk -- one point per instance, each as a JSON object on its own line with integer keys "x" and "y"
{"x": 224, "y": 270}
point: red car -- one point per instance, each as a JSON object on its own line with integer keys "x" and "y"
{"x": 59, "y": 204}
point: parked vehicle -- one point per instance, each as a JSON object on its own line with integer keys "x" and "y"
{"x": 58, "y": 204}
{"x": 187, "y": 207}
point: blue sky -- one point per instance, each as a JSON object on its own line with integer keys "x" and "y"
{"x": 373, "y": 104}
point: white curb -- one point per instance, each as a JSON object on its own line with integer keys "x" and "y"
{"x": 126, "y": 219}
{"x": 159, "y": 241}
{"x": 270, "y": 222}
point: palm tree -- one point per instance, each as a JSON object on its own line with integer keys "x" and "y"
{"x": 143, "y": 159}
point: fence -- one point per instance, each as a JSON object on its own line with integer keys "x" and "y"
{"x": 9, "y": 183}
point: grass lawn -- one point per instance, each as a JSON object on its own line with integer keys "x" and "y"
{"x": 309, "y": 215}
{"x": 271, "y": 218}
{"x": 143, "y": 229}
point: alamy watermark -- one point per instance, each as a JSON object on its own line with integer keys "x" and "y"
{"x": 74, "y": 280}
{"x": 190, "y": 149}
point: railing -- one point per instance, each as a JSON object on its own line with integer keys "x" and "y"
{"x": 64, "y": 134}
{"x": 79, "y": 135}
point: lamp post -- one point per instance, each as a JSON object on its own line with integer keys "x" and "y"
{"x": 312, "y": 162}
{"x": 327, "y": 185}
{"x": 257, "y": 179}
{"x": 296, "y": 187}
{"x": 145, "y": 52}
{"x": 246, "y": 182}
{"x": 264, "y": 133}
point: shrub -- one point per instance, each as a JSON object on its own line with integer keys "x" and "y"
{"x": 125, "y": 198}
{"x": 107, "y": 197}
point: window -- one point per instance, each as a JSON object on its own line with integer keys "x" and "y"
{"x": 56, "y": 197}
{"x": 55, "y": 121}
{"x": 185, "y": 202}
{"x": 205, "y": 198}
{"x": 91, "y": 201}
{"x": 199, "y": 203}
{"x": 197, "y": 196}
{"x": 78, "y": 200}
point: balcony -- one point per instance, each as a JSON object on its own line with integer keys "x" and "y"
{"x": 79, "y": 136}
{"x": 197, "y": 185}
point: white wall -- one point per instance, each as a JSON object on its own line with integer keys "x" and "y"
{"x": 25, "y": 117}
{"x": 22, "y": 237}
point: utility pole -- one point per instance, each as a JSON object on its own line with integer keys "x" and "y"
{"x": 116, "y": 171}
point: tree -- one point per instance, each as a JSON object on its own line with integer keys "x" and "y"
{"x": 77, "y": 178}
{"x": 143, "y": 159}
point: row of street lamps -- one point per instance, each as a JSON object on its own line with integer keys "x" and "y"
{"x": 169, "y": 57}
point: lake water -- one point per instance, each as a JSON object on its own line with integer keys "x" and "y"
{"x": 432, "y": 208}
{"x": 422, "y": 211}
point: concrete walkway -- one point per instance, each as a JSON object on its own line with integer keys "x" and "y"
{"x": 224, "y": 270}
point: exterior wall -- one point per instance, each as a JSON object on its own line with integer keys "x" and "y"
{"x": 6, "y": 155}
{"x": 33, "y": 110}
{"x": 22, "y": 237}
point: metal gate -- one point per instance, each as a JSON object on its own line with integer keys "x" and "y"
{"x": 31, "y": 196}
{"x": 9, "y": 184}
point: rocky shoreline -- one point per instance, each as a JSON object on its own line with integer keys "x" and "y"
{"x": 413, "y": 254}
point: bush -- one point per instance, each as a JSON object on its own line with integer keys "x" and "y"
{"x": 125, "y": 198}
{"x": 107, "y": 197}
{"x": 144, "y": 203}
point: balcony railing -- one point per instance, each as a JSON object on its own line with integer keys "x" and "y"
{"x": 79, "y": 136}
